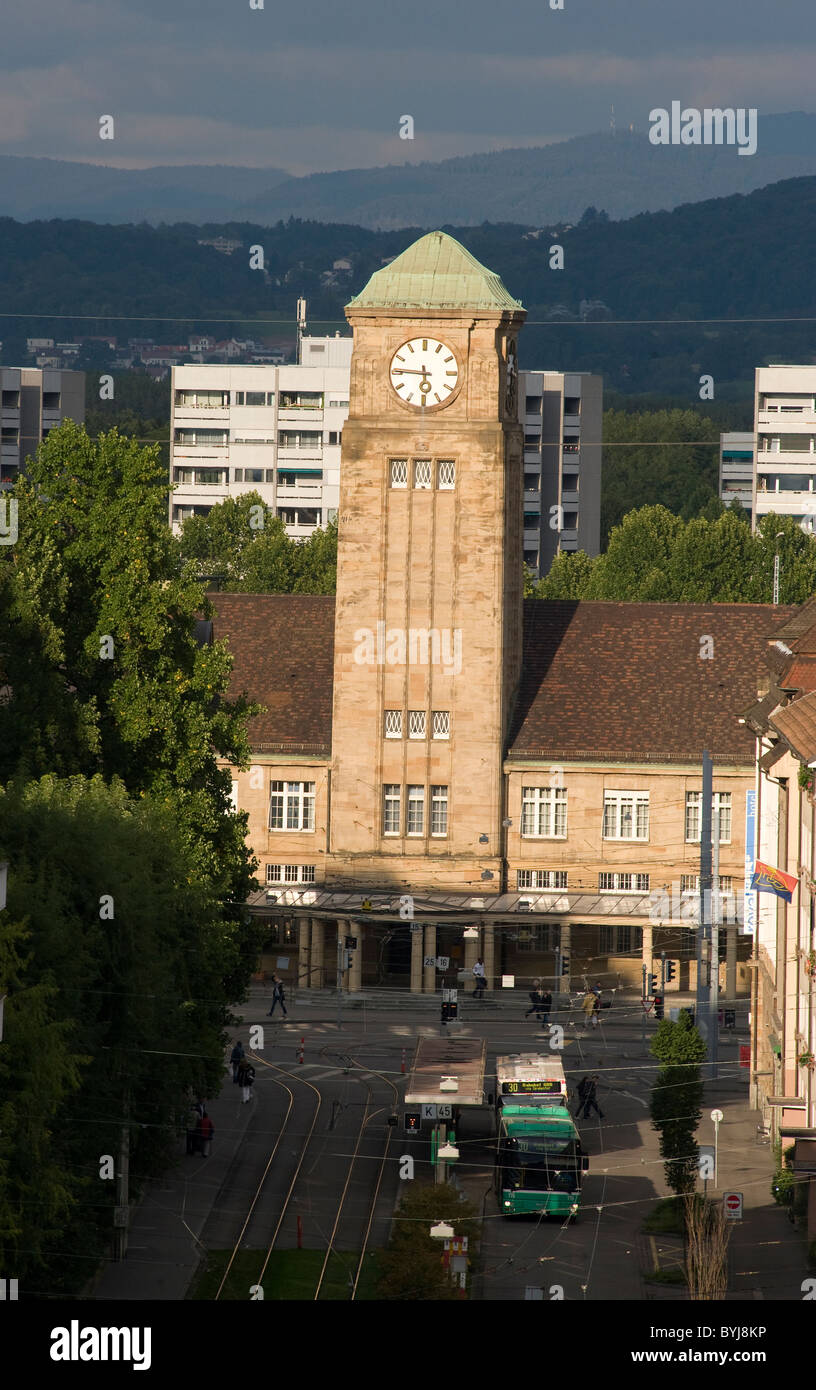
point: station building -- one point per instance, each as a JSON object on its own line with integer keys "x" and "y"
{"x": 437, "y": 754}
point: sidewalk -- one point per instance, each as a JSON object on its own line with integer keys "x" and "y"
{"x": 163, "y": 1249}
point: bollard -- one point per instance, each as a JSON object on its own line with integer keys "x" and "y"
{"x": 402, "y": 1068}
{"x": 300, "y": 1052}
{"x": 300, "y": 1233}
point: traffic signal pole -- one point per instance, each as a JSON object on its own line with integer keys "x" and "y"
{"x": 704, "y": 941}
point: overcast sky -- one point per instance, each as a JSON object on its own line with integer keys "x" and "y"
{"x": 321, "y": 84}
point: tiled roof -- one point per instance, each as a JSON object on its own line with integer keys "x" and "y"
{"x": 283, "y": 645}
{"x": 797, "y": 725}
{"x": 601, "y": 681}
{"x": 435, "y": 272}
{"x": 631, "y": 680}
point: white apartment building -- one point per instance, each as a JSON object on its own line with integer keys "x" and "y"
{"x": 784, "y": 481}
{"x": 33, "y": 402}
{"x": 274, "y": 430}
{"x": 737, "y": 450}
{"x": 277, "y": 431}
{"x": 562, "y": 417}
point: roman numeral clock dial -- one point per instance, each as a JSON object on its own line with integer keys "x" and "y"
{"x": 424, "y": 373}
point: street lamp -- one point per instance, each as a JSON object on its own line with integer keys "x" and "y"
{"x": 780, "y": 535}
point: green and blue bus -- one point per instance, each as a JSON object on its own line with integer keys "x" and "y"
{"x": 539, "y": 1161}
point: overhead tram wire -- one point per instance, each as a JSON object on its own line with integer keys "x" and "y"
{"x": 244, "y": 317}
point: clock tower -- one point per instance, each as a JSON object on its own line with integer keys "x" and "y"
{"x": 429, "y": 577}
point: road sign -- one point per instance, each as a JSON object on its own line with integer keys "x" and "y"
{"x": 732, "y": 1206}
{"x": 716, "y": 1116}
{"x": 429, "y": 1112}
{"x": 443, "y": 1112}
{"x": 429, "y": 960}
{"x": 412, "y": 1122}
{"x": 416, "y": 926}
{"x": 442, "y": 962}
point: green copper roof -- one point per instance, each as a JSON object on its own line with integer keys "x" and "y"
{"x": 435, "y": 273}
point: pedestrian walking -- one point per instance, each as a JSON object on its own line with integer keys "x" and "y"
{"x": 235, "y": 1058}
{"x": 246, "y": 1079}
{"x": 546, "y": 1005}
{"x": 480, "y": 978}
{"x": 278, "y": 996}
{"x": 205, "y": 1131}
{"x": 536, "y": 1000}
{"x": 588, "y": 1097}
{"x": 596, "y": 1012}
{"x": 588, "y": 1005}
{"x": 197, "y": 1110}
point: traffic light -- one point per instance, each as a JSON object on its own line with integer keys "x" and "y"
{"x": 450, "y": 1009}
{"x": 565, "y": 965}
{"x": 671, "y": 971}
{"x": 653, "y": 984}
{"x": 412, "y": 1122}
{"x": 351, "y": 943}
{"x": 658, "y": 1006}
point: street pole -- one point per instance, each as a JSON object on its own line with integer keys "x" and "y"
{"x": 716, "y": 1116}
{"x": 339, "y": 977}
{"x": 643, "y": 1009}
{"x": 704, "y": 933}
{"x": 714, "y": 1038}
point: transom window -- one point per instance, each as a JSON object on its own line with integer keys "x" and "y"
{"x": 290, "y": 873}
{"x": 440, "y": 723}
{"x": 623, "y": 883}
{"x": 422, "y": 473}
{"x": 541, "y": 878}
{"x": 291, "y": 806}
{"x": 446, "y": 474}
{"x": 393, "y": 723}
{"x": 416, "y": 723}
{"x": 694, "y": 808}
{"x": 544, "y": 812}
{"x": 626, "y": 816}
{"x": 399, "y": 473}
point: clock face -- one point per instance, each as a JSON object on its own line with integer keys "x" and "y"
{"x": 424, "y": 372}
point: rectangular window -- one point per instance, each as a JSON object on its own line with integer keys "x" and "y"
{"x": 541, "y": 878}
{"x": 626, "y": 816}
{"x": 623, "y": 883}
{"x": 239, "y": 398}
{"x": 274, "y": 873}
{"x": 446, "y": 474}
{"x": 393, "y": 723}
{"x": 441, "y": 723}
{"x": 391, "y": 808}
{"x": 307, "y": 873}
{"x": 544, "y": 812}
{"x": 291, "y": 873}
{"x": 422, "y": 473}
{"x": 694, "y": 806}
{"x": 291, "y": 806}
{"x": 540, "y": 936}
{"x": 620, "y": 941}
{"x": 416, "y": 723}
{"x": 301, "y": 400}
{"x": 439, "y": 810}
{"x": 399, "y": 473}
{"x": 415, "y": 824}
{"x": 238, "y": 475}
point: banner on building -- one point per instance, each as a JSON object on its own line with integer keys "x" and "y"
{"x": 769, "y": 880}
{"x": 748, "y": 900}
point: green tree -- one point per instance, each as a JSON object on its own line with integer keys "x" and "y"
{"x": 568, "y": 577}
{"x": 677, "y": 1097}
{"x": 637, "y": 564}
{"x": 243, "y": 548}
{"x": 412, "y": 1266}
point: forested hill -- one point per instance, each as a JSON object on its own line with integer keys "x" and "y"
{"x": 738, "y": 258}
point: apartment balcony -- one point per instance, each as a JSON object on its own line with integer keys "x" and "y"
{"x": 572, "y": 421}
{"x": 532, "y": 536}
{"x": 571, "y": 446}
{"x": 532, "y": 497}
{"x": 791, "y": 415}
{"x": 290, "y": 493}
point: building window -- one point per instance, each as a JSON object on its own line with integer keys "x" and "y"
{"x": 422, "y": 473}
{"x": 694, "y": 806}
{"x": 446, "y": 474}
{"x": 391, "y": 809}
{"x": 399, "y": 473}
{"x": 626, "y": 816}
{"x": 690, "y": 883}
{"x": 301, "y": 400}
{"x": 539, "y": 936}
{"x": 544, "y": 812}
{"x": 441, "y": 723}
{"x": 416, "y": 723}
{"x": 623, "y": 883}
{"x": 620, "y": 941}
{"x": 541, "y": 878}
{"x": 291, "y": 806}
{"x": 415, "y": 824}
{"x": 290, "y": 873}
{"x": 393, "y": 723}
{"x": 439, "y": 810}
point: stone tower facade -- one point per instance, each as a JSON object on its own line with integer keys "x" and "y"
{"x": 428, "y": 623}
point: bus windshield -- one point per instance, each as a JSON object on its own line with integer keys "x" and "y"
{"x": 548, "y": 1165}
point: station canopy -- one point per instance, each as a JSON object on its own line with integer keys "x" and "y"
{"x": 439, "y": 1061}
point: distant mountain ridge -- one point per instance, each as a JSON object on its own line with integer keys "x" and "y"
{"x": 539, "y": 186}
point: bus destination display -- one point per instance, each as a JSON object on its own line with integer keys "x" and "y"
{"x": 531, "y": 1088}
